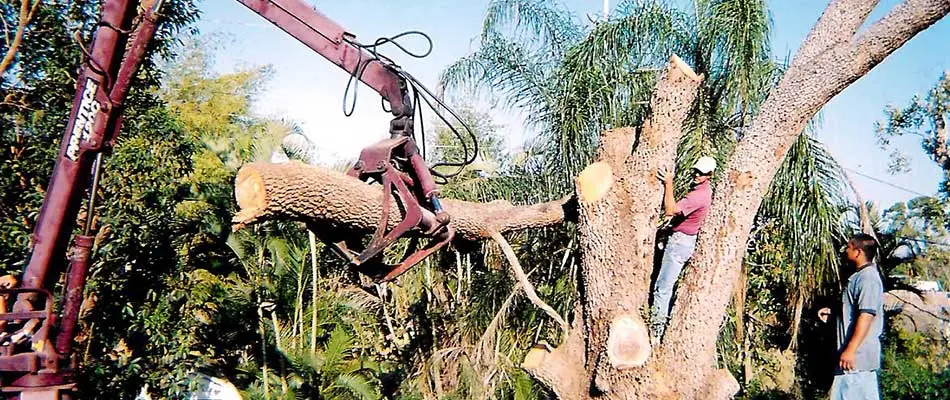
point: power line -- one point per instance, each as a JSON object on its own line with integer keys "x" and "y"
{"x": 881, "y": 181}
{"x": 896, "y": 186}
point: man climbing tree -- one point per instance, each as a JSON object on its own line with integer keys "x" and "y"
{"x": 688, "y": 215}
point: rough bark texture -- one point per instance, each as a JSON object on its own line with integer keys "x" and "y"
{"x": 618, "y": 198}
{"x": 327, "y": 200}
{"x": 562, "y": 369}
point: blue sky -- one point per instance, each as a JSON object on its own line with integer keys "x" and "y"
{"x": 306, "y": 88}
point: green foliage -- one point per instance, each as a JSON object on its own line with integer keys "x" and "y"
{"x": 805, "y": 206}
{"x": 914, "y": 367}
{"x": 449, "y": 147}
{"x": 925, "y": 117}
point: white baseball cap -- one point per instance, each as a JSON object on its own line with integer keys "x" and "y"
{"x": 705, "y": 165}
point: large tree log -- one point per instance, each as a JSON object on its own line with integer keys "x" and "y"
{"x": 328, "y": 200}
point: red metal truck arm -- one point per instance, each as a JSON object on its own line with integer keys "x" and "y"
{"x": 325, "y": 37}
{"x": 295, "y": 17}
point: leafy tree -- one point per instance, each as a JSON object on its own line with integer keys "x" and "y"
{"x": 918, "y": 227}
{"x": 925, "y": 117}
{"x": 913, "y": 367}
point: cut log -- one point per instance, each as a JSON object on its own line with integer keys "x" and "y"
{"x": 328, "y": 200}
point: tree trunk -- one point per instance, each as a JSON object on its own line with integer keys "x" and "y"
{"x": 607, "y": 354}
{"x": 618, "y": 198}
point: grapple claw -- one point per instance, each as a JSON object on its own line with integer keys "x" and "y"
{"x": 383, "y": 162}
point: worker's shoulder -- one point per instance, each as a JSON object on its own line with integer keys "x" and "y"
{"x": 704, "y": 190}
{"x": 868, "y": 277}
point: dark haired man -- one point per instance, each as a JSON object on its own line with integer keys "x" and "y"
{"x": 860, "y": 324}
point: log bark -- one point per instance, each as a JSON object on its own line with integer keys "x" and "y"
{"x": 329, "y": 201}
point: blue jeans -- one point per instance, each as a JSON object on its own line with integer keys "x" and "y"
{"x": 679, "y": 248}
{"x": 856, "y": 385}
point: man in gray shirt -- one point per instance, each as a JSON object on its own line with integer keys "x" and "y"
{"x": 860, "y": 323}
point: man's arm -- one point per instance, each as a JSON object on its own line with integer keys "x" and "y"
{"x": 669, "y": 204}
{"x": 861, "y": 328}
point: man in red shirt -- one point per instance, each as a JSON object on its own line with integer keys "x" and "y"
{"x": 688, "y": 216}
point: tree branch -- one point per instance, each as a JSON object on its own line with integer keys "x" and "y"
{"x": 26, "y": 14}
{"x": 6, "y": 32}
{"x": 331, "y": 201}
{"x": 522, "y": 279}
{"x": 889, "y": 33}
{"x": 836, "y": 27}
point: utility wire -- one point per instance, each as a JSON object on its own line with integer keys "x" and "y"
{"x": 896, "y": 186}
{"x": 881, "y": 181}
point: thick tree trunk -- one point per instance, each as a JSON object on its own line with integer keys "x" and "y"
{"x": 606, "y": 353}
{"x": 618, "y": 199}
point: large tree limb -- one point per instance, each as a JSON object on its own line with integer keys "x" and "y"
{"x": 329, "y": 200}
{"x": 835, "y": 28}
{"x": 889, "y": 33}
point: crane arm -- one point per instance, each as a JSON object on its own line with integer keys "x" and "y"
{"x": 334, "y": 43}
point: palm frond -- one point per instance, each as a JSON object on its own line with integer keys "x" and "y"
{"x": 335, "y": 352}
{"x": 547, "y": 26}
{"x": 354, "y": 386}
{"x": 737, "y": 32}
{"x": 806, "y": 201}
{"x": 504, "y": 68}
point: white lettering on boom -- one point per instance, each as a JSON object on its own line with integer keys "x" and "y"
{"x": 85, "y": 118}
